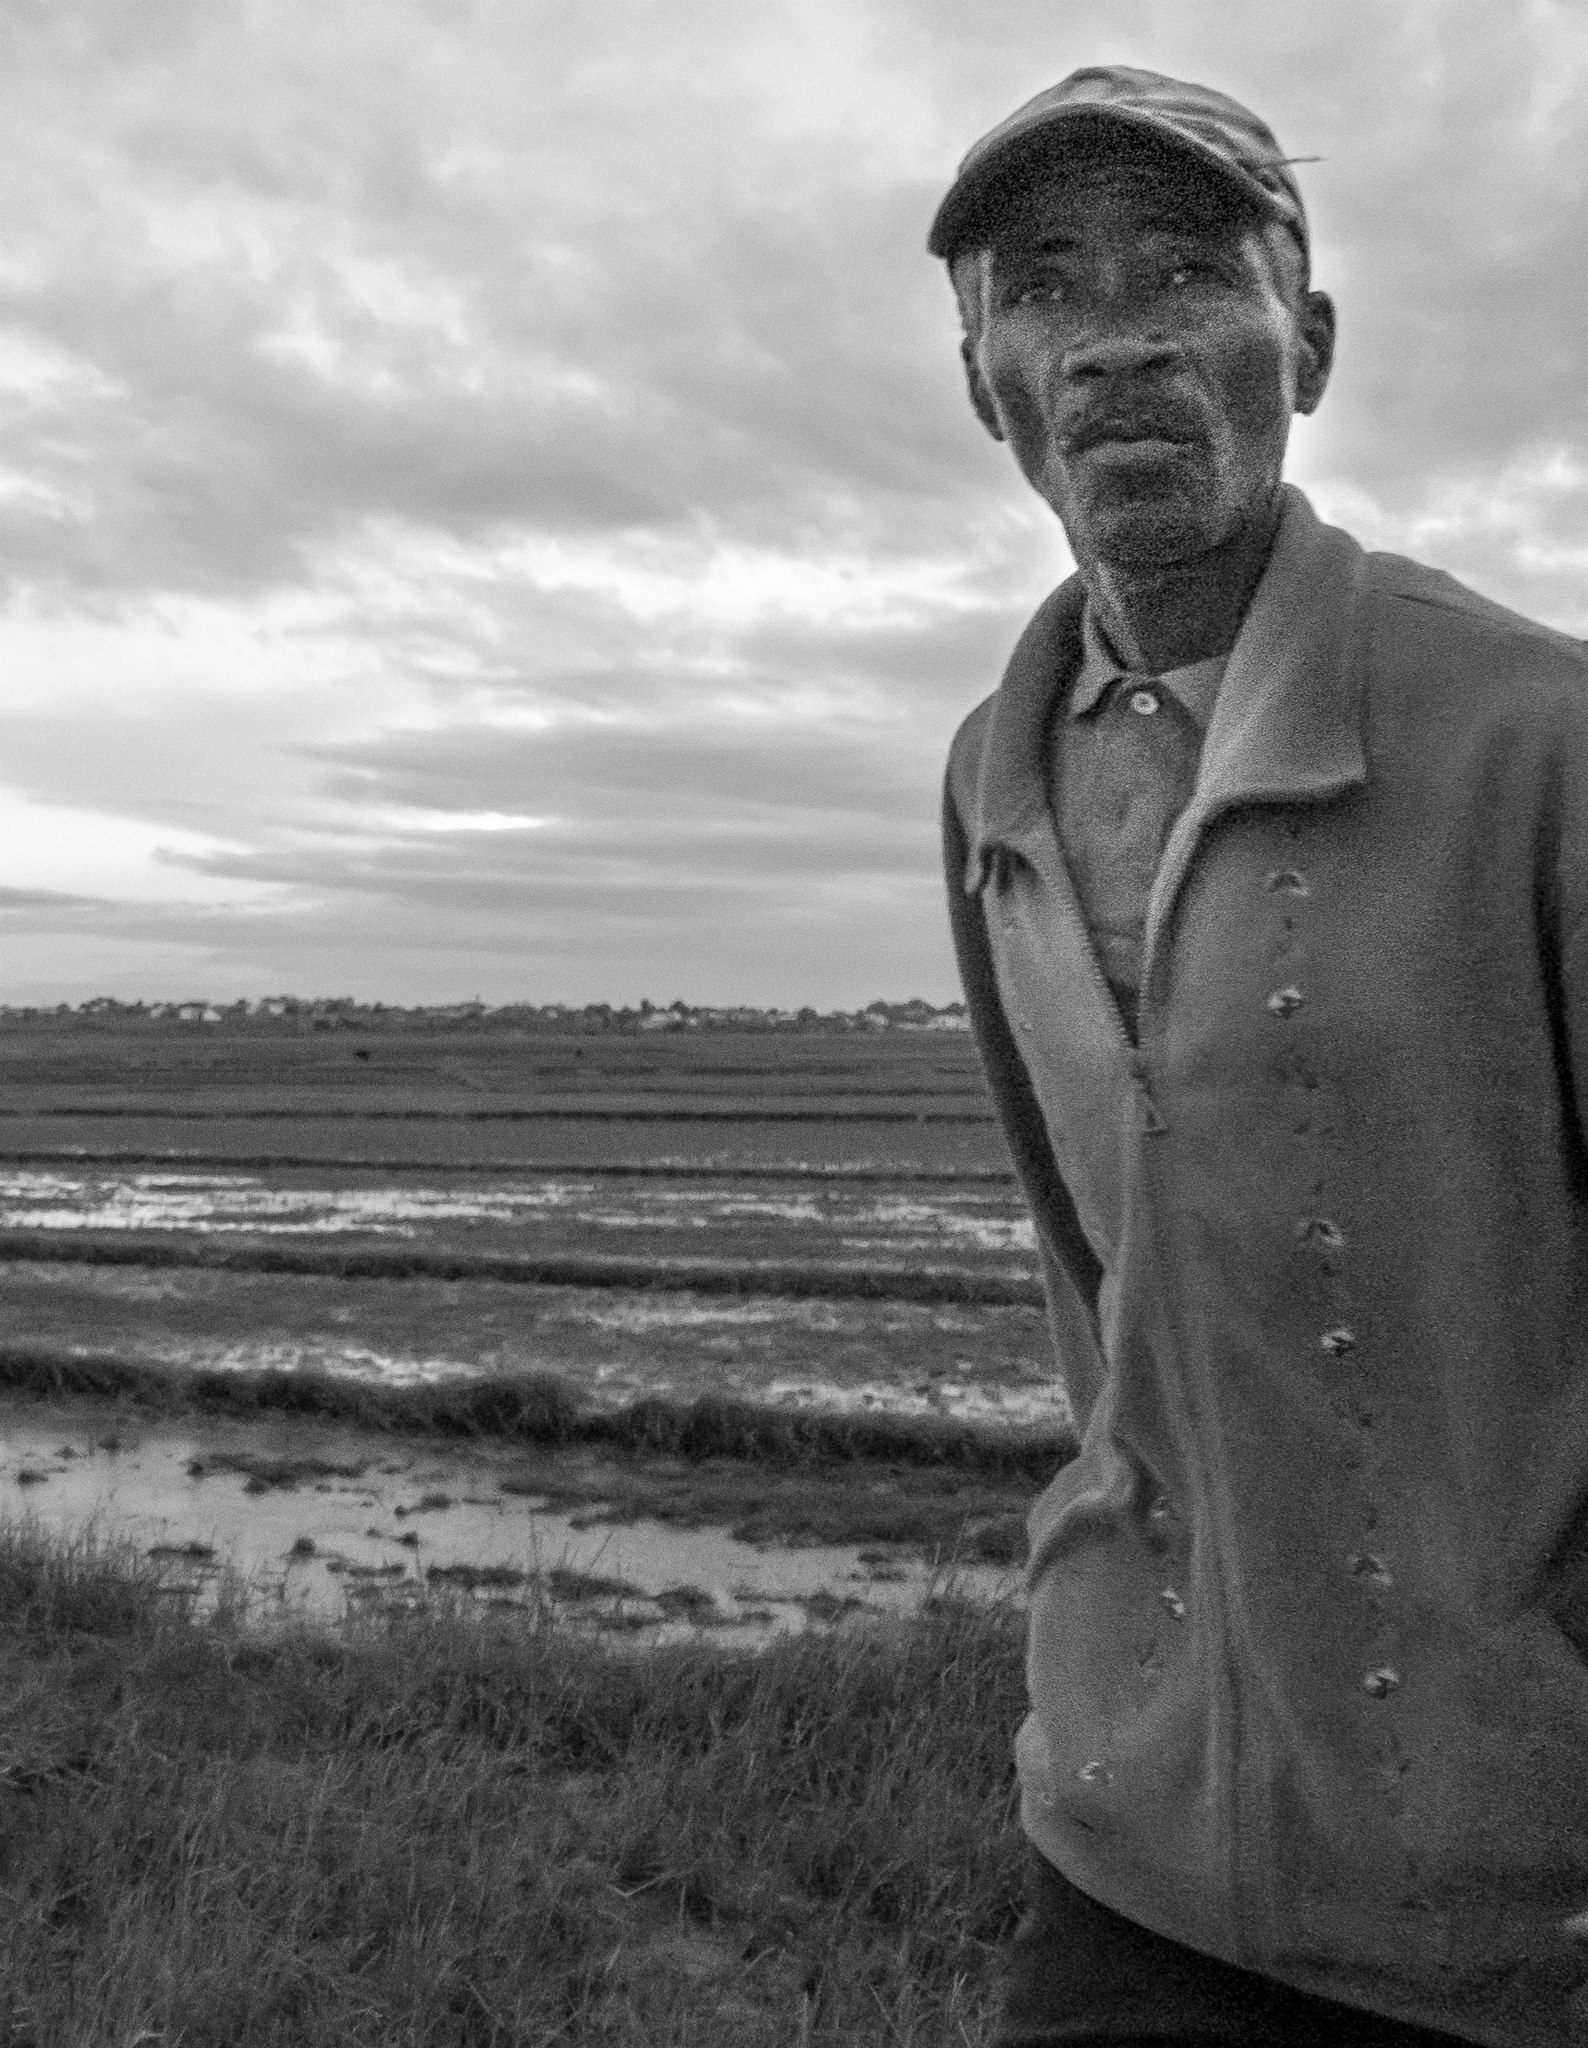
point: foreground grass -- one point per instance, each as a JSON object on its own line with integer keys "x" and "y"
{"x": 455, "y": 1830}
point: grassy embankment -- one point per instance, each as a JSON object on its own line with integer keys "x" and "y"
{"x": 490, "y": 1831}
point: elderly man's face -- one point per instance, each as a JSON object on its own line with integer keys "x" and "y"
{"x": 1142, "y": 351}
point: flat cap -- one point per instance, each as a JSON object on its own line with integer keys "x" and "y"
{"x": 1222, "y": 134}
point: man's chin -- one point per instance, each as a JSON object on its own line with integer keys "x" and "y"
{"x": 1149, "y": 533}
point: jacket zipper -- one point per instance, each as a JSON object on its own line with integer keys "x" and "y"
{"x": 1152, "y": 1118}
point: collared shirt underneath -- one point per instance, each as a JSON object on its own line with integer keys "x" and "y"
{"x": 1123, "y": 753}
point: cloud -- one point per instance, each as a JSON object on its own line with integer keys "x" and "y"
{"x": 503, "y": 413}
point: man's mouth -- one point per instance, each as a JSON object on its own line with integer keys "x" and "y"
{"x": 1145, "y": 434}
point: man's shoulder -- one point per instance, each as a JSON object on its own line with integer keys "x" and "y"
{"x": 965, "y": 753}
{"x": 1421, "y": 606}
{"x": 1046, "y": 651}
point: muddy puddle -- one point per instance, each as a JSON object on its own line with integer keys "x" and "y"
{"x": 320, "y": 1522}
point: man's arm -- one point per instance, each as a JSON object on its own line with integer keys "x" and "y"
{"x": 1565, "y": 937}
{"x": 1071, "y": 1272}
{"x": 1574, "y": 991}
{"x": 1570, "y": 905}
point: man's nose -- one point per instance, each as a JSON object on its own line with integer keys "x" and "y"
{"x": 1119, "y": 355}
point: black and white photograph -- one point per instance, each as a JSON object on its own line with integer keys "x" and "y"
{"x": 793, "y": 1024}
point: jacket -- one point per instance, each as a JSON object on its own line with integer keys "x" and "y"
{"x": 1308, "y": 1612}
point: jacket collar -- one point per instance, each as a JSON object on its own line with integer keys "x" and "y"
{"x": 1287, "y": 721}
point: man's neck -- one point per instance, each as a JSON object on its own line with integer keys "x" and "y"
{"x": 1165, "y": 616}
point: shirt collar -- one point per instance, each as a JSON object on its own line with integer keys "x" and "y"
{"x": 1194, "y": 686}
{"x": 1287, "y": 722}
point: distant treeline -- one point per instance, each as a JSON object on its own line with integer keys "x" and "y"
{"x": 343, "y": 1013}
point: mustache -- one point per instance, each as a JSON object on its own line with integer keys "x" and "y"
{"x": 1128, "y": 423}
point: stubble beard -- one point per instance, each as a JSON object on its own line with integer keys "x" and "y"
{"x": 1138, "y": 536}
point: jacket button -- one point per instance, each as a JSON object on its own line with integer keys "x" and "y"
{"x": 1321, "y": 1230}
{"x": 1144, "y": 701}
{"x": 1382, "y": 1682}
{"x": 1339, "y": 1343}
{"x": 1287, "y": 882}
{"x": 1367, "y": 1564}
{"x": 1285, "y": 1002}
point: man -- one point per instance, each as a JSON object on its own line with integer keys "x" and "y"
{"x": 1268, "y": 865}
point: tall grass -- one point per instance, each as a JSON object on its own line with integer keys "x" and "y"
{"x": 448, "y": 1829}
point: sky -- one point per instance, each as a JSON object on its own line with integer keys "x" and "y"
{"x": 487, "y": 501}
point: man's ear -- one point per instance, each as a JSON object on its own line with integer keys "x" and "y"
{"x": 980, "y": 396}
{"x": 1315, "y": 358}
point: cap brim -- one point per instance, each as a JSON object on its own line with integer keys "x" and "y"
{"x": 966, "y": 199}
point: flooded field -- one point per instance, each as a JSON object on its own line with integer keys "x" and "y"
{"x": 932, "y": 1223}
{"x": 192, "y": 1202}
{"x": 298, "y": 1518}
{"x": 610, "y": 1344}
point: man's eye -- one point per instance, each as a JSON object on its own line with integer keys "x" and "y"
{"x": 1191, "y": 270}
{"x": 1045, "y": 291}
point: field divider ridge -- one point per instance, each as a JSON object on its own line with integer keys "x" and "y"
{"x": 516, "y": 1114}
{"x": 786, "y": 1279}
{"x": 633, "y": 1169}
{"x": 540, "y": 1409}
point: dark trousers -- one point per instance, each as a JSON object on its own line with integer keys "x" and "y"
{"x": 1077, "y": 1972}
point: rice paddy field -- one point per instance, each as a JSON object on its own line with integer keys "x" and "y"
{"x": 258, "y": 1217}
{"x": 509, "y": 1537}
